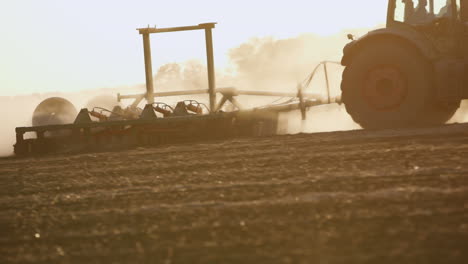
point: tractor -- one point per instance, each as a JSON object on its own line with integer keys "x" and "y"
{"x": 413, "y": 72}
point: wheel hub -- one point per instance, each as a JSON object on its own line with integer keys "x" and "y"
{"x": 385, "y": 88}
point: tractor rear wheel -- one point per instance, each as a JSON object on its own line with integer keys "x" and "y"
{"x": 390, "y": 85}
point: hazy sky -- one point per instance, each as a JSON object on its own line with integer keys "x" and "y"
{"x": 64, "y": 45}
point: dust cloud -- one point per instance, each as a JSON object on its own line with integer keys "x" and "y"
{"x": 189, "y": 75}
{"x": 325, "y": 118}
{"x": 16, "y": 111}
{"x": 461, "y": 116}
{"x": 278, "y": 65}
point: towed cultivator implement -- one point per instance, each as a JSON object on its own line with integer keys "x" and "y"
{"x": 57, "y": 127}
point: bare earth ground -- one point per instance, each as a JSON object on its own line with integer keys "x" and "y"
{"x": 394, "y": 196}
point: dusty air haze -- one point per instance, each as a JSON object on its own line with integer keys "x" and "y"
{"x": 226, "y": 187}
{"x": 78, "y": 50}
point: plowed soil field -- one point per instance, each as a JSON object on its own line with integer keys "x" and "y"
{"x": 391, "y": 196}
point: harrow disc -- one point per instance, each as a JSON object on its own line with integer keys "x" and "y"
{"x": 54, "y": 111}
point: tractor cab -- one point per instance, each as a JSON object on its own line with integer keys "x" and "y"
{"x": 438, "y": 20}
{"x": 420, "y": 12}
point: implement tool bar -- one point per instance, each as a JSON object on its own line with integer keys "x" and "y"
{"x": 175, "y": 29}
{"x": 228, "y": 91}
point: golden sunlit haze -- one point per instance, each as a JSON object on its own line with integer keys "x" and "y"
{"x": 54, "y": 45}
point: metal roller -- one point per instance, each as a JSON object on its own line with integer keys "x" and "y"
{"x": 54, "y": 111}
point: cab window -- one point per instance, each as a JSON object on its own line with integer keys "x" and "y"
{"x": 423, "y": 11}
